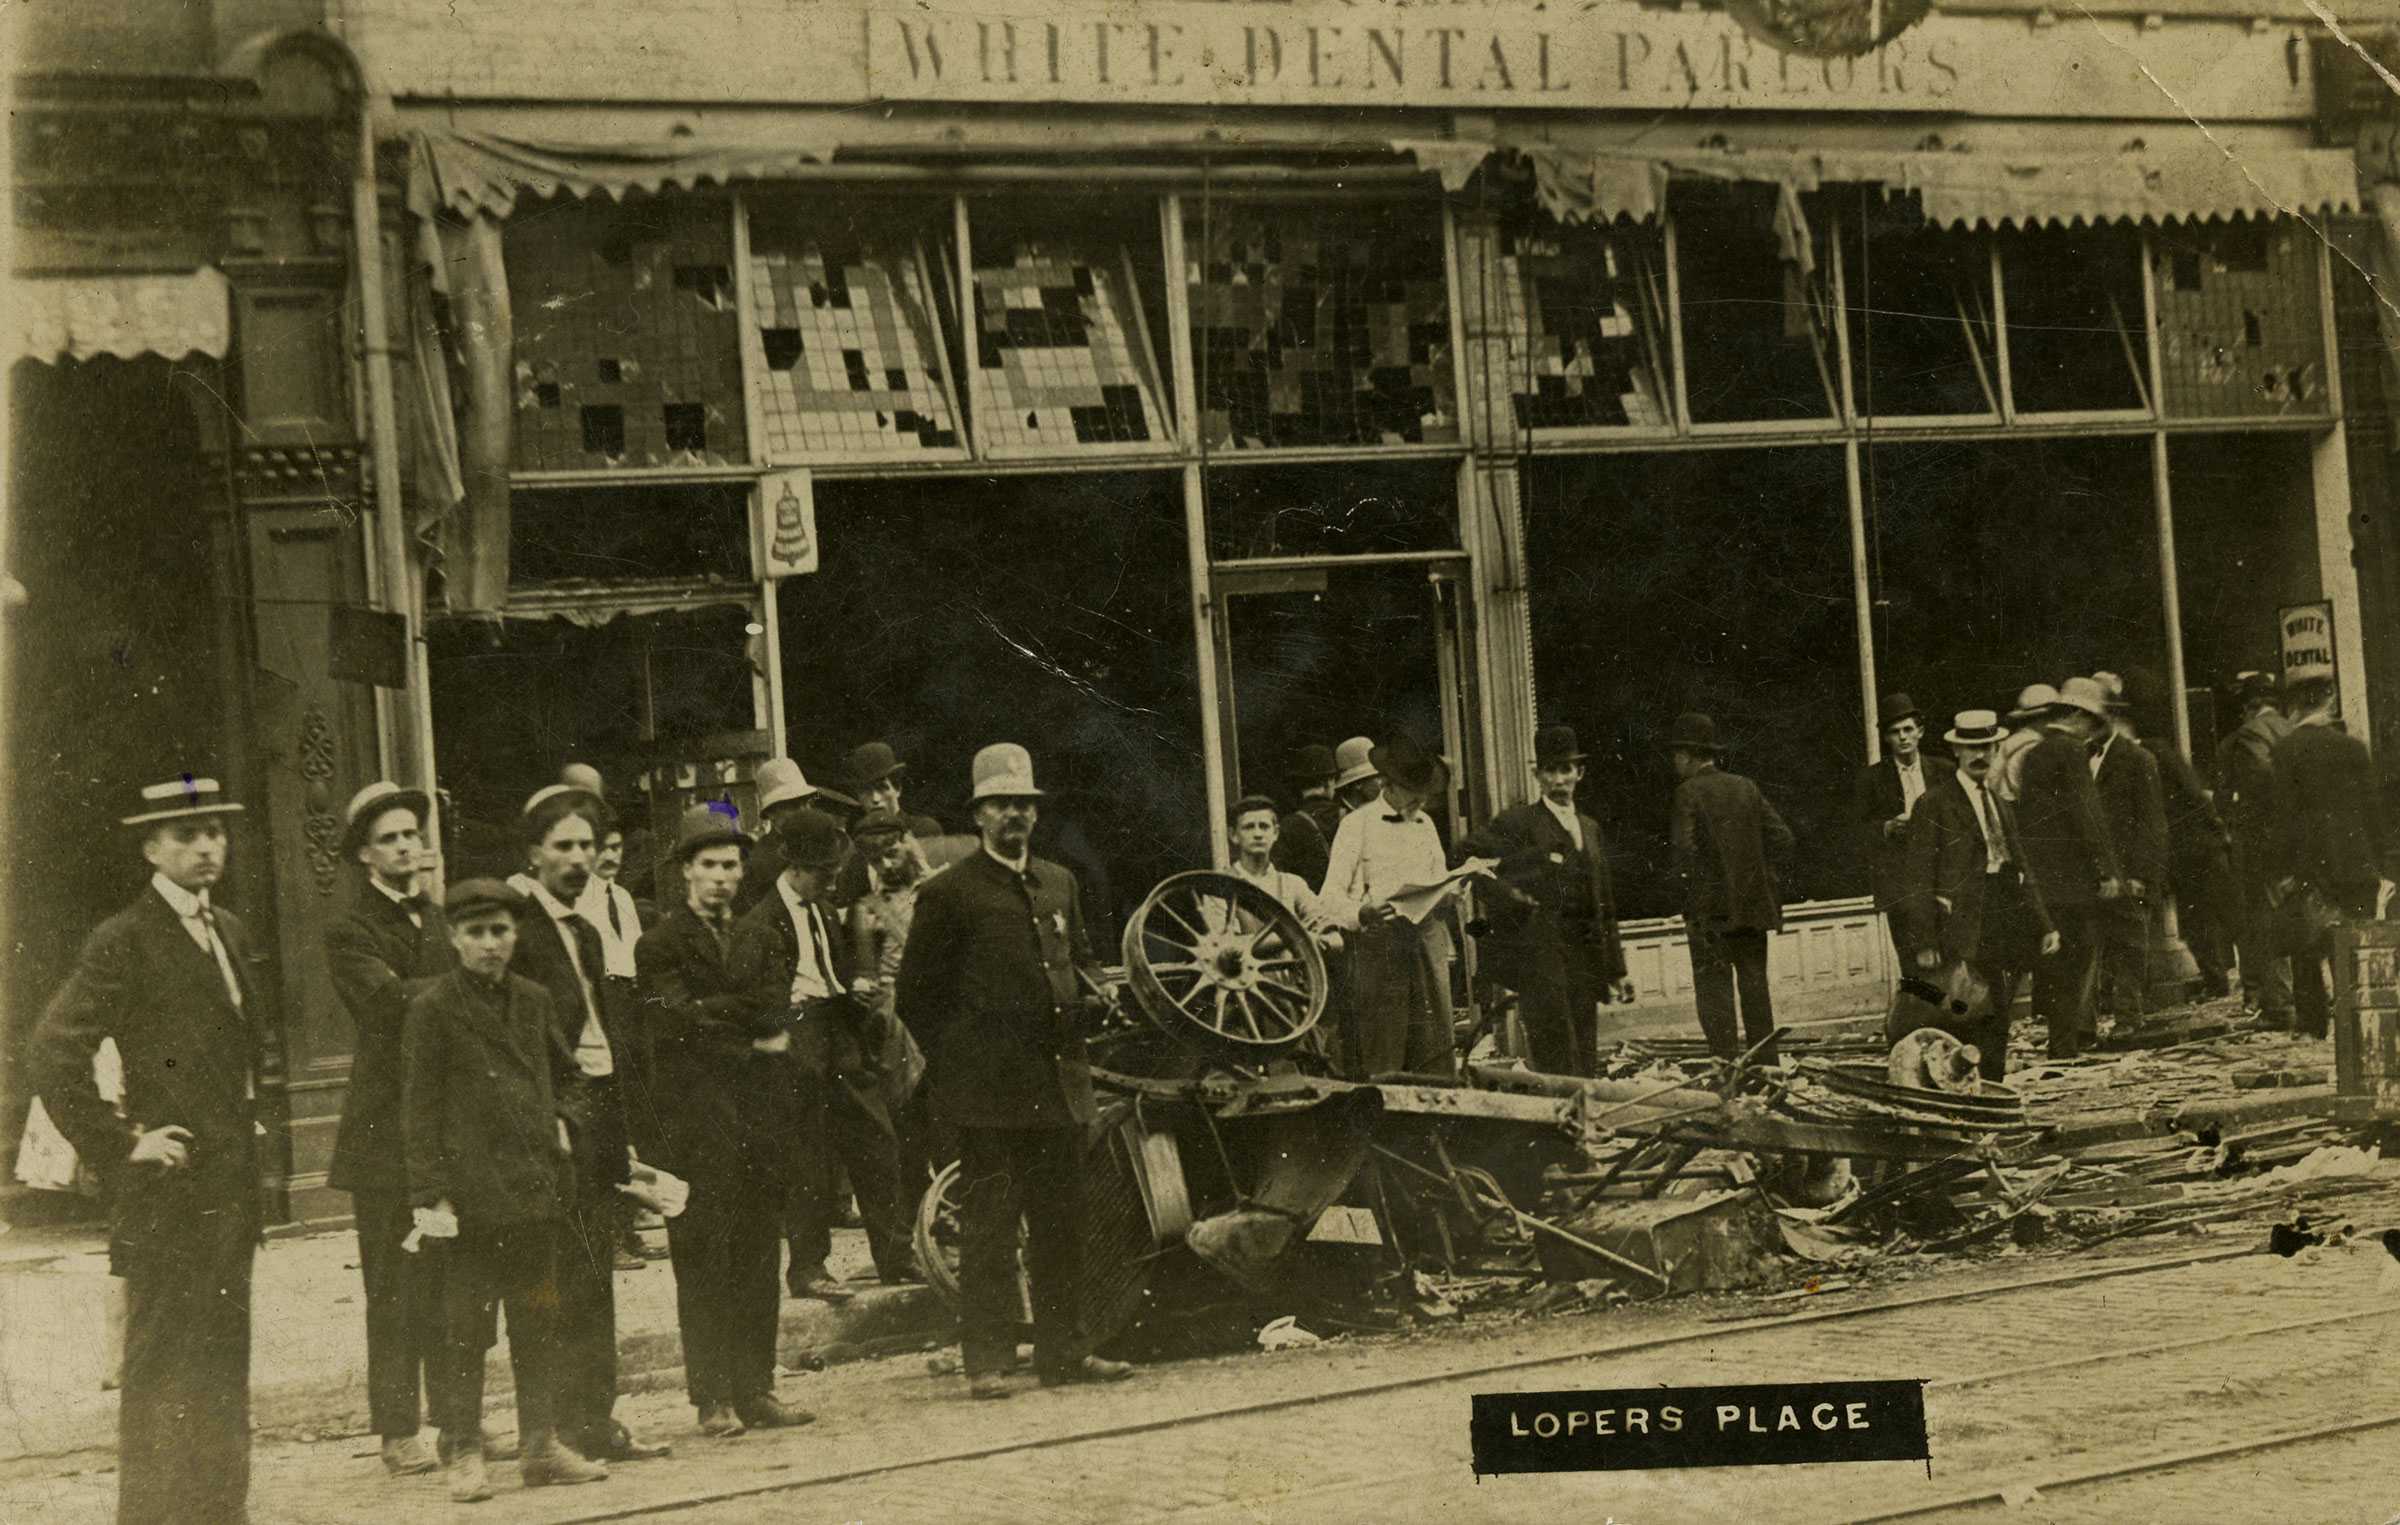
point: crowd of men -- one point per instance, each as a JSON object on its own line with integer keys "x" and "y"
{"x": 830, "y": 1006}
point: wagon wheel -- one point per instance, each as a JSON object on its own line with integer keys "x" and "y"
{"x": 938, "y": 1237}
{"x": 1212, "y": 956}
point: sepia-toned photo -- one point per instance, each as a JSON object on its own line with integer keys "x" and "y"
{"x": 1237, "y": 762}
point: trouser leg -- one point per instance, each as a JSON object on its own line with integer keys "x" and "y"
{"x": 2062, "y": 983}
{"x": 1053, "y": 1176}
{"x": 1712, "y": 989}
{"x": 697, "y": 1245}
{"x": 469, "y": 1297}
{"x": 1388, "y": 983}
{"x": 183, "y": 1428}
{"x": 869, "y": 1151}
{"x": 1432, "y": 1041}
{"x": 2266, "y": 970}
{"x": 752, "y": 1318}
{"x": 587, "y": 1315}
{"x": 991, "y": 1203}
{"x": 1749, "y": 951}
{"x": 1583, "y": 1013}
{"x": 404, "y": 1311}
{"x": 1542, "y": 1007}
{"x": 526, "y": 1266}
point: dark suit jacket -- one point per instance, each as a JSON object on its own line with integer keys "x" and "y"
{"x": 1304, "y": 839}
{"x": 2329, "y": 818}
{"x": 839, "y": 1036}
{"x": 479, "y": 1111}
{"x": 379, "y": 960}
{"x": 542, "y": 958}
{"x": 1875, "y": 799}
{"x": 2134, "y": 802}
{"x": 1724, "y": 833}
{"x": 190, "y": 1059}
{"x": 2197, "y": 841}
{"x": 988, "y": 987}
{"x": 2067, "y": 845}
{"x": 1563, "y": 895}
{"x": 719, "y": 1099}
{"x": 1944, "y": 860}
{"x": 2246, "y": 787}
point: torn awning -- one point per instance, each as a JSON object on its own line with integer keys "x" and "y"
{"x": 127, "y": 316}
{"x": 474, "y": 173}
{"x": 2194, "y": 183}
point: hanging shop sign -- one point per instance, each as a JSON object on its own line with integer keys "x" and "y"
{"x": 1791, "y": 56}
{"x": 2306, "y": 633}
{"x": 784, "y": 508}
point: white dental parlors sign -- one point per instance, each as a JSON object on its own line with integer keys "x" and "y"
{"x": 1482, "y": 55}
{"x": 2306, "y": 633}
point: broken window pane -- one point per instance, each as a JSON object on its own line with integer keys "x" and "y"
{"x": 2240, "y": 331}
{"x": 1323, "y": 510}
{"x": 1583, "y": 312}
{"x": 855, "y": 311}
{"x": 622, "y": 320}
{"x": 2075, "y": 340}
{"x": 1920, "y": 313}
{"x": 1320, "y": 325}
{"x": 1752, "y": 282}
{"x": 1067, "y": 298}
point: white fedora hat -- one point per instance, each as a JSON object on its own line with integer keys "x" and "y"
{"x": 1004, "y": 770}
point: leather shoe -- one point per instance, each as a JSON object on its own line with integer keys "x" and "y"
{"x": 988, "y": 1385}
{"x": 719, "y": 1420}
{"x": 465, "y": 1475}
{"x": 817, "y": 1282}
{"x": 614, "y": 1442}
{"x": 408, "y": 1455}
{"x": 550, "y": 1462}
{"x": 498, "y": 1447}
{"x": 767, "y": 1412}
{"x": 1089, "y": 1369}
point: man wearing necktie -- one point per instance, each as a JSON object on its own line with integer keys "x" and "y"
{"x": 168, "y": 978}
{"x": 1400, "y": 964}
{"x": 392, "y": 944}
{"x": 560, "y": 951}
{"x": 1966, "y": 892}
{"x": 723, "y": 1067}
{"x": 787, "y": 954}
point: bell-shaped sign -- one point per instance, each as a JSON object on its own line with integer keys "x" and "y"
{"x": 785, "y": 504}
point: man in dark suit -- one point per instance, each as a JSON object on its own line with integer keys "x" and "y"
{"x": 725, "y": 1075}
{"x": 170, "y": 979}
{"x": 790, "y": 960}
{"x": 393, "y": 944}
{"x": 1724, "y": 833}
{"x": 2330, "y": 825}
{"x": 560, "y": 951}
{"x": 1964, "y": 896}
{"x": 1554, "y": 915}
{"x": 2246, "y": 796}
{"x": 784, "y": 792}
{"x": 486, "y": 1139}
{"x": 1304, "y": 838}
{"x": 1881, "y": 801}
{"x": 2069, "y": 853}
{"x": 2133, "y": 800}
{"x": 988, "y": 985}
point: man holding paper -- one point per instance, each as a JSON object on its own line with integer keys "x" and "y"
{"x": 1387, "y": 878}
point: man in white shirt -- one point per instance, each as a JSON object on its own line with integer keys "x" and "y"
{"x": 611, "y": 910}
{"x": 1886, "y": 793}
{"x": 1400, "y": 966}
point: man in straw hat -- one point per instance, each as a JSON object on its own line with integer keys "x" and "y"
{"x": 1964, "y": 895}
{"x": 1554, "y": 913}
{"x": 169, "y": 979}
{"x": 2330, "y": 828}
{"x": 559, "y": 950}
{"x": 796, "y": 965}
{"x": 392, "y": 944}
{"x": 1400, "y": 955}
{"x": 990, "y": 986}
{"x": 2069, "y": 853}
{"x": 1881, "y": 800}
{"x": 725, "y": 1078}
{"x": 2035, "y": 703}
{"x": 1724, "y": 833}
{"x": 2246, "y": 795}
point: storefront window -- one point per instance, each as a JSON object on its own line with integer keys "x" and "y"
{"x": 648, "y": 533}
{"x": 2239, "y": 323}
{"x": 1332, "y": 510}
{"x": 2075, "y": 329}
{"x": 2245, "y": 549}
{"x": 1065, "y": 306}
{"x": 1054, "y": 611}
{"x": 1320, "y": 325}
{"x": 1584, "y": 314}
{"x": 2007, "y": 563}
{"x": 1716, "y": 581}
{"x": 1752, "y": 281}
{"x": 626, "y": 334}
{"x": 1920, "y": 312}
{"x": 851, "y": 313}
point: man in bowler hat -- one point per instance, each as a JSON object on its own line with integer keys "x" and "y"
{"x": 989, "y": 986}
{"x": 2330, "y": 831}
{"x": 170, "y": 979}
{"x": 1554, "y": 912}
{"x": 392, "y": 944}
{"x": 1724, "y": 834}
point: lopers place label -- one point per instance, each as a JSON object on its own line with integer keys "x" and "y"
{"x": 1749, "y": 1425}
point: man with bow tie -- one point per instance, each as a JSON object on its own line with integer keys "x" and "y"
{"x": 393, "y": 944}
{"x": 169, "y": 979}
{"x": 1400, "y": 953}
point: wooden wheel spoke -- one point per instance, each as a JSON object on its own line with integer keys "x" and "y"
{"x": 1176, "y": 966}
{"x": 1167, "y": 909}
{"x": 1219, "y": 1024}
{"x": 1242, "y": 998}
{"x": 1294, "y": 991}
{"x": 1275, "y": 1011}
